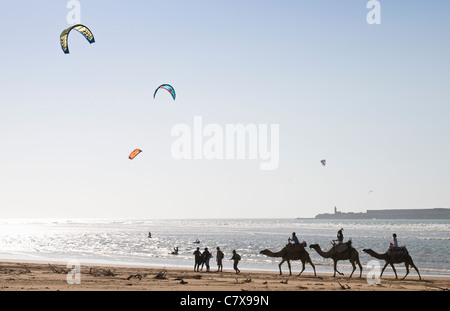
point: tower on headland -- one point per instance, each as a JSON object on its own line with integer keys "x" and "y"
{"x": 425, "y": 213}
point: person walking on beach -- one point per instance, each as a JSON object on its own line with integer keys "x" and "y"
{"x": 206, "y": 256}
{"x": 219, "y": 257}
{"x": 236, "y": 258}
{"x": 198, "y": 258}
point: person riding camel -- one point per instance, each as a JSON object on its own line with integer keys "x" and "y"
{"x": 294, "y": 239}
{"x": 393, "y": 246}
{"x": 340, "y": 236}
{"x": 340, "y": 240}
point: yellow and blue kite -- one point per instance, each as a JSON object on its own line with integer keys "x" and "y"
{"x": 81, "y": 29}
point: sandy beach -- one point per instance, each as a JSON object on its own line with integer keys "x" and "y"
{"x": 32, "y": 276}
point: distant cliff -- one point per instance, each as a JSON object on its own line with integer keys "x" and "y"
{"x": 430, "y": 213}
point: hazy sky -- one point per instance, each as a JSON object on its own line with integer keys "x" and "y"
{"x": 373, "y": 100}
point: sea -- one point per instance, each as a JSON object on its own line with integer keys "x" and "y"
{"x": 127, "y": 242}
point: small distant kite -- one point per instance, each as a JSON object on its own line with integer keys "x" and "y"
{"x": 134, "y": 153}
{"x": 168, "y": 88}
{"x": 370, "y": 192}
{"x": 81, "y": 29}
{"x": 324, "y": 162}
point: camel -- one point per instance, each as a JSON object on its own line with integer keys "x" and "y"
{"x": 291, "y": 252}
{"x": 390, "y": 260}
{"x": 351, "y": 254}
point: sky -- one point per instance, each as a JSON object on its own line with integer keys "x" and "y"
{"x": 371, "y": 99}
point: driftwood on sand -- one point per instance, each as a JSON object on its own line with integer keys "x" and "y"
{"x": 161, "y": 275}
{"x": 101, "y": 272}
{"x": 56, "y": 270}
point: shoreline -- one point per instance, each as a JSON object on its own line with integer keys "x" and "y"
{"x": 53, "y": 276}
{"x": 296, "y": 267}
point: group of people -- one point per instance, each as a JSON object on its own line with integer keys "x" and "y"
{"x": 202, "y": 258}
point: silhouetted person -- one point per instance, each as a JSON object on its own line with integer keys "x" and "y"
{"x": 236, "y": 258}
{"x": 340, "y": 236}
{"x": 206, "y": 256}
{"x": 219, "y": 257}
{"x": 293, "y": 239}
{"x": 198, "y": 259}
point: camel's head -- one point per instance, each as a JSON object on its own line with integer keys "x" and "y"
{"x": 365, "y": 250}
{"x": 264, "y": 251}
{"x": 314, "y": 246}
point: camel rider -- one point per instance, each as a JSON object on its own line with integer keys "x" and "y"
{"x": 293, "y": 239}
{"x": 393, "y": 246}
{"x": 340, "y": 236}
{"x": 340, "y": 241}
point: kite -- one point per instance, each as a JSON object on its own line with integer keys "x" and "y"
{"x": 324, "y": 162}
{"x": 134, "y": 153}
{"x": 81, "y": 29}
{"x": 166, "y": 87}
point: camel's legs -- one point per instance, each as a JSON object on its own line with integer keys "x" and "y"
{"x": 303, "y": 268}
{"x": 314, "y": 268}
{"x": 279, "y": 265}
{"x": 360, "y": 269}
{"x": 334, "y": 275}
{"x": 407, "y": 270}
{"x": 382, "y": 270}
{"x": 417, "y": 270}
{"x": 289, "y": 265}
{"x": 336, "y": 270}
{"x": 354, "y": 268}
{"x": 395, "y": 271}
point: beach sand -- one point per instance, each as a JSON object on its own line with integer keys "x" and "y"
{"x": 32, "y": 276}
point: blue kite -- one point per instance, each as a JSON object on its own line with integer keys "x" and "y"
{"x": 168, "y": 88}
